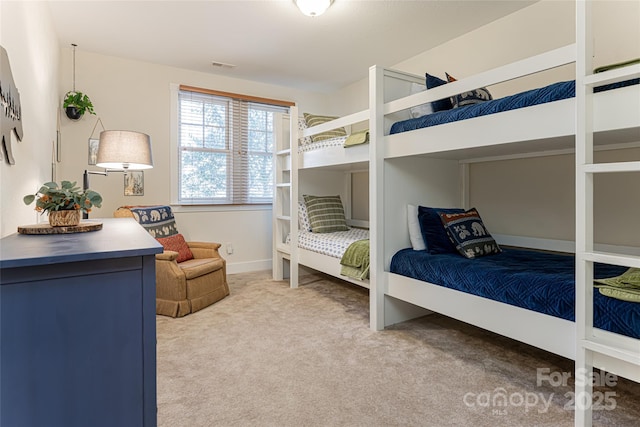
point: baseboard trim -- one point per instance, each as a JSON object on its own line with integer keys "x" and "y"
{"x": 249, "y": 266}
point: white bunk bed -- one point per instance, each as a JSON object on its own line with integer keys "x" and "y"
{"x": 430, "y": 166}
{"x": 328, "y": 167}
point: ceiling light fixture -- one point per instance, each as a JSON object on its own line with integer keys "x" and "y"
{"x": 313, "y": 7}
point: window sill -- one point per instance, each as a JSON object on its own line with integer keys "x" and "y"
{"x": 219, "y": 208}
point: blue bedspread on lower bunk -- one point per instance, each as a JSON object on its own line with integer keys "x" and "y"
{"x": 538, "y": 281}
{"x": 553, "y": 92}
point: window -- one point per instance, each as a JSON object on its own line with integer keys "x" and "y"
{"x": 225, "y": 148}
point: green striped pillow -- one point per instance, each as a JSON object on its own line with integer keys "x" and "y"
{"x": 326, "y": 213}
{"x": 314, "y": 120}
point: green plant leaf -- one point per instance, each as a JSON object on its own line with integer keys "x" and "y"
{"x": 28, "y": 199}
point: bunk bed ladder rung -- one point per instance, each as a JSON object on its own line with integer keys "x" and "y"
{"x": 612, "y": 76}
{"x": 611, "y": 167}
{"x": 615, "y": 259}
{"x": 615, "y": 352}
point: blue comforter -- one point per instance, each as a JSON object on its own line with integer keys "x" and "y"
{"x": 553, "y": 92}
{"x": 538, "y": 281}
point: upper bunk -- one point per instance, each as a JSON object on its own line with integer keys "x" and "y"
{"x": 310, "y": 149}
{"x": 547, "y": 127}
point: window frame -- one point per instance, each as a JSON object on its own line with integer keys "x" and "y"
{"x": 175, "y": 159}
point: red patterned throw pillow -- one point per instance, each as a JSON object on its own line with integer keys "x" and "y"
{"x": 178, "y": 244}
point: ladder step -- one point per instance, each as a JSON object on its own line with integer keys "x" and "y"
{"x": 608, "y": 350}
{"x": 612, "y": 76}
{"x": 615, "y": 259}
{"x": 283, "y": 248}
{"x": 612, "y": 167}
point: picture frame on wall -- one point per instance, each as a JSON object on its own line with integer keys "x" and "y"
{"x": 93, "y": 150}
{"x": 134, "y": 183}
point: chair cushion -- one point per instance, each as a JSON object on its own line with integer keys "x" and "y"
{"x": 199, "y": 266}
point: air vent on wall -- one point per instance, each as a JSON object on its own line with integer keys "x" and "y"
{"x": 216, "y": 64}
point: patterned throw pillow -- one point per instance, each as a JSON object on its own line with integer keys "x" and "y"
{"x": 176, "y": 243}
{"x": 471, "y": 237}
{"x": 469, "y": 98}
{"x": 441, "y": 104}
{"x": 433, "y": 232}
{"x": 157, "y": 220}
{"x": 302, "y": 125}
{"x": 326, "y": 213}
{"x": 314, "y": 120}
{"x": 303, "y": 217}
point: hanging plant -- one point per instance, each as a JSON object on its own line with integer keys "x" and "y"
{"x": 76, "y": 104}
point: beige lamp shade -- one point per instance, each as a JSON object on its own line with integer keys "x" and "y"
{"x": 123, "y": 149}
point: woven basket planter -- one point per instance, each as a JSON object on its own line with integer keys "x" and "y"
{"x": 66, "y": 218}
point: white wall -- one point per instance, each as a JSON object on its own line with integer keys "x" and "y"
{"x": 26, "y": 33}
{"x": 134, "y": 95}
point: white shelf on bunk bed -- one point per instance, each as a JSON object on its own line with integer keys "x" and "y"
{"x": 284, "y": 152}
{"x": 283, "y": 185}
{"x": 283, "y": 217}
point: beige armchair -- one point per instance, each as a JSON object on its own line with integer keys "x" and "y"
{"x": 187, "y": 286}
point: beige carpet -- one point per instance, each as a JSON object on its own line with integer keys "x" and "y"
{"x": 268, "y": 355}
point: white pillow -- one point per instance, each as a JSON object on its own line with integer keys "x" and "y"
{"x": 420, "y": 110}
{"x": 303, "y": 217}
{"x": 302, "y": 125}
{"x": 415, "y": 235}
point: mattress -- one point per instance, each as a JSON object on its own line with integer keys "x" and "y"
{"x": 331, "y": 244}
{"x": 333, "y": 142}
{"x": 538, "y": 281}
{"x": 553, "y": 92}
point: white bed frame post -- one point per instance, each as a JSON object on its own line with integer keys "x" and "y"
{"x": 377, "y": 286}
{"x": 584, "y": 213}
{"x": 293, "y": 208}
{"x": 285, "y": 206}
{"x": 281, "y": 189}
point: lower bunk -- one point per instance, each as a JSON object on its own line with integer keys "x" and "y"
{"x": 525, "y": 295}
{"x": 325, "y": 252}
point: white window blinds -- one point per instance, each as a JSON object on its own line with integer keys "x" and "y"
{"x": 225, "y": 149}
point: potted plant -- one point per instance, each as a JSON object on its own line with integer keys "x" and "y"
{"x": 76, "y": 104}
{"x": 63, "y": 203}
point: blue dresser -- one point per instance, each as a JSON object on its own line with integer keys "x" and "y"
{"x": 78, "y": 331}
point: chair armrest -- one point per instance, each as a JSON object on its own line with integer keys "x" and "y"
{"x": 167, "y": 256}
{"x": 204, "y": 249}
{"x": 171, "y": 282}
